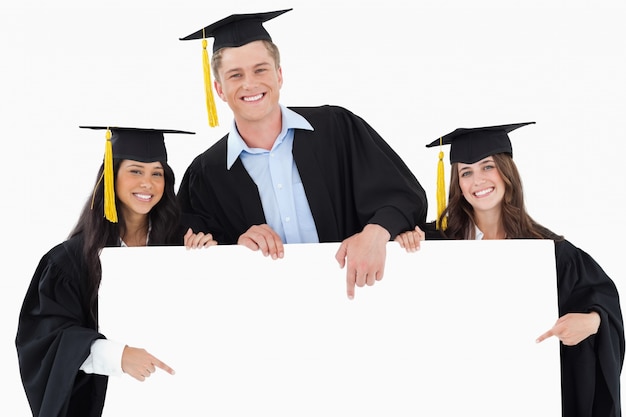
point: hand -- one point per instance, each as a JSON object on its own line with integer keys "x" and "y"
{"x": 263, "y": 237}
{"x": 366, "y": 252}
{"x": 410, "y": 240}
{"x": 198, "y": 240}
{"x": 139, "y": 364}
{"x": 573, "y": 328}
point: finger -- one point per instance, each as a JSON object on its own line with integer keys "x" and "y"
{"x": 165, "y": 367}
{"x": 186, "y": 237}
{"x": 411, "y": 245}
{"x": 207, "y": 241}
{"x": 544, "y": 336}
{"x": 350, "y": 288}
{"x": 340, "y": 256}
{"x": 361, "y": 278}
{"x": 246, "y": 241}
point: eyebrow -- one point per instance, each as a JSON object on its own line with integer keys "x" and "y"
{"x": 255, "y": 66}
{"x": 140, "y": 165}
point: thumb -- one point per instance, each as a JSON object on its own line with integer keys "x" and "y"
{"x": 340, "y": 256}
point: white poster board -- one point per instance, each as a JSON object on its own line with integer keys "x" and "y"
{"x": 450, "y": 330}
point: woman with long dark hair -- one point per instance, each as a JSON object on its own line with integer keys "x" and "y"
{"x": 486, "y": 201}
{"x": 64, "y": 360}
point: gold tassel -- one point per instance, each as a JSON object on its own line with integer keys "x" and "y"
{"x": 441, "y": 193}
{"x": 210, "y": 102}
{"x": 109, "y": 188}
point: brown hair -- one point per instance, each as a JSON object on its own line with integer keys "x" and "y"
{"x": 517, "y": 222}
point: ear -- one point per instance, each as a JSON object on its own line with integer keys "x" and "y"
{"x": 218, "y": 90}
{"x": 280, "y": 76}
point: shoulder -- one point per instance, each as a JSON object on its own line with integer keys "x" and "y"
{"x": 213, "y": 155}
{"x": 321, "y": 114}
{"x": 66, "y": 251}
{"x": 65, "y": 259}
{"x": 570, "y": 256}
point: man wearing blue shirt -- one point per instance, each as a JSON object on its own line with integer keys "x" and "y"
{"x": 298, "y": 174}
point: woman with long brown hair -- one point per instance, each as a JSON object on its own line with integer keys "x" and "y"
{"x": 486, "y": 201}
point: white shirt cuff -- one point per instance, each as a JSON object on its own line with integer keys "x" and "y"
{"x": 105, "y": 358}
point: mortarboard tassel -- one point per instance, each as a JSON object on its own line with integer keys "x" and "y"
{"x": 441, "y": 193}
{"x": 210, "y": 102}
{"x": 109, "y": 188}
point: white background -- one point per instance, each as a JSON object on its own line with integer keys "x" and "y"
{"x": 414, "y": 69}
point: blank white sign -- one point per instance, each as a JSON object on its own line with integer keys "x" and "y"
{"x": 449, "y": 330}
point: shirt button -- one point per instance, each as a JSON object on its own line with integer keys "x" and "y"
{"x": 287, "y": 219}
{"x": 279, "y": 186}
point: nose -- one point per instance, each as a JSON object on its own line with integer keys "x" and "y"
{"x": 248, "y": 82}
{"x": 146, "y": 183}
{"x": 479, "y": 178}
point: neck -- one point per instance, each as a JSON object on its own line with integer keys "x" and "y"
{"x": 260, "y": 133}
{"x": 491, "y": 226}
{"x": 135, "y": 232}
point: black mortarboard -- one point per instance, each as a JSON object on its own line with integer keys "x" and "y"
{"x": 138, "y": 144}
{"x": 473, "y": 144}
{"x": 232, "y": 31}
{"x": 469, "y": 146}
{"x": 237, "y": 29}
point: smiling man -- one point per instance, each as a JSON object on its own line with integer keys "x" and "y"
{"x": 294, "y": 174}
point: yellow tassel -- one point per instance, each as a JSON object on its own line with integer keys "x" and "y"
{"x": 210, "y": 102}
{"x": 109, "y": 188}
{"x": 441, "y": 192}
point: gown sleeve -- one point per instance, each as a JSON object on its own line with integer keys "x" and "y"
{"x": 54, "y": 337}
{"x": 590, "y": 370}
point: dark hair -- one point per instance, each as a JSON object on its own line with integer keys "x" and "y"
{"x": 97, "y": 232}
{"x": 517, "y": 222}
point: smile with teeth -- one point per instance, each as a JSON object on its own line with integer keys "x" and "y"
{"x": 484, "y": 192}
{"x": 144, "y": 197}
{"x": 253, "y": 98}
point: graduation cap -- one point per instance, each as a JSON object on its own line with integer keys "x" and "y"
{"x": 232, "y": 31}
{"x": 470, "y": 145}
{"x": 138, "y": 144}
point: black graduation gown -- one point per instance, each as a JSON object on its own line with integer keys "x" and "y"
{"x": 351, "y": 177}
{"x": 54, "y": 337}
{"x": 590, "y": 370}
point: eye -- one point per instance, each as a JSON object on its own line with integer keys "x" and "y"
{"x": 489, "y": 167}
{"x": 135, "y": 172}
{"x": 466, "y": 173}
{"x": 157, "y": 174}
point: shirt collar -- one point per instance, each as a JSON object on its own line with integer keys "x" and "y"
{"x": 478, "y": 233}
{"x": 236, "y": 145}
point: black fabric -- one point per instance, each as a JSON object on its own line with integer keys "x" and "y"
{"x": 54, "y": 337}
{"x": 470, "y": 145}
{"x": 236, "y": 30}
{"x": 138, "y": 144}
{"x": 350, "y": 175}
{"x": 590, "y": 371}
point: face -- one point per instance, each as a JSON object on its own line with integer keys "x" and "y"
{"x": 139, "y": 187}
{"x": 250, "y": 82}
{"x": 482, "y": 185}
